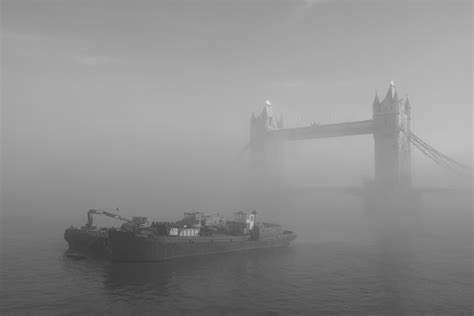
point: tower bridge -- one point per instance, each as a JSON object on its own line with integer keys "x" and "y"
{"x": 390, "y": 126}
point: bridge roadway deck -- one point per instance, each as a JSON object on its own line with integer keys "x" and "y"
{"x": 325, "y": 131}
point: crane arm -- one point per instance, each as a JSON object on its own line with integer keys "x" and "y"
{"x": 109, "y": 214}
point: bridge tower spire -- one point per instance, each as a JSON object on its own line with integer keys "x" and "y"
{"x": 391, "y": 118}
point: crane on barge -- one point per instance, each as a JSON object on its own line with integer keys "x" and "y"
{"x": 91, "y": 212}
{"x": 90, "y": 238}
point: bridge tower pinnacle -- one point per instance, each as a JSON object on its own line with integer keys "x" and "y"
{"x": 391, "y": 118}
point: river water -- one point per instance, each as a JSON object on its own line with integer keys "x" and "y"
{"x": 428, "y": 273}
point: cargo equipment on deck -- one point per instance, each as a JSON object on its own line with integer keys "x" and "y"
{"x": 89, "y": 238}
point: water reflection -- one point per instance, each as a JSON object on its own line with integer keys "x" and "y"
{"x": 394, "y": 235}
{"x": 194, "y": 277}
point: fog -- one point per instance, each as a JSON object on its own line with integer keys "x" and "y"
{"x": 146, "y": 108}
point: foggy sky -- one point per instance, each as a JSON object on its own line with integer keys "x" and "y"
{"x": 145, "y": 105}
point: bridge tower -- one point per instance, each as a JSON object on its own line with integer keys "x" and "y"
{"x": 266, "y": 151}
{"x": 391, "y": 119}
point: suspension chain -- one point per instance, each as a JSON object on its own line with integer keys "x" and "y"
{"x": 438, "y": 157}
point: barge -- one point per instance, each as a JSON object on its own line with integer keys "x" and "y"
{"x": 197, "y": 234}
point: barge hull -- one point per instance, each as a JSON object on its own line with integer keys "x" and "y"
{"x": 126, "y": 246}
{"x": 91, "y": 241}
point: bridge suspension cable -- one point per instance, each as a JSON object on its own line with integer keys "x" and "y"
{"x": 440, "y": 158}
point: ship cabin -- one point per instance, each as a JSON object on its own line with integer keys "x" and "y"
{"x": 246, "y": 218}
{"x": 215, "y": 220}
{"x": 243, "y": 223}
{"x": 194, "y": 219}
